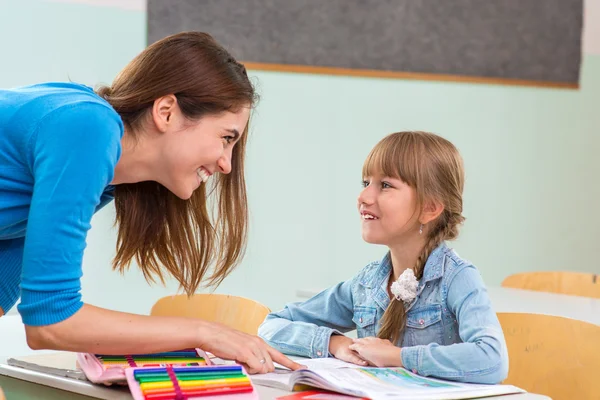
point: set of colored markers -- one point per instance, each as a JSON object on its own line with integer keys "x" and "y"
{"x": 186, "y": 357}
{"x": 178, "y": 383}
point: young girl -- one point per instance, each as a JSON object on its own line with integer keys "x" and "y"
{"x": 421, "y": 307}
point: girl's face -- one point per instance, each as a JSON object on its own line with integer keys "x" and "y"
{"x": 388, "y": 210}
{"x": 191, "y": 151}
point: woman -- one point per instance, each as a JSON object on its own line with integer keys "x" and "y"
{"x": 175, "y": 119}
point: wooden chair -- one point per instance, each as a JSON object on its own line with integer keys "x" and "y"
{"x": 236, "y": 312}
{"x": 554, "y": 356}
{"x": 572, "y": 283}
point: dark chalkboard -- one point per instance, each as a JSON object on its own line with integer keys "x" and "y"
{"x": 505, "y": 41}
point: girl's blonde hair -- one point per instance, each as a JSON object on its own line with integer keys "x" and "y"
{"x": 434, "y": 168}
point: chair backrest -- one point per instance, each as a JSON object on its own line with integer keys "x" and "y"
{"x": 573, "y": 283}
{"x": 239, "y": 313}
{"x": 554, "y": 356}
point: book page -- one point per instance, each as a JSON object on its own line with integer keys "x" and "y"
{"x": 280, "y": 379}
{"x": 320, "y": 363}
{"x": 400, "y": 384}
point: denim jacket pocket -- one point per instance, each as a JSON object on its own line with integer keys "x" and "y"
{"x": 364, "y": 318}
{"x": 423, "y": 326}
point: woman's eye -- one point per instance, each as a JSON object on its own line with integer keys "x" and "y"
{"x": 228, "y": 139}
{"x": 385, "y": 185}
{"x": 365, "y": 184}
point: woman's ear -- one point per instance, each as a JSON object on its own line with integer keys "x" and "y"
{"x": 163, "y": 111}
{"x": 431, "y": 210}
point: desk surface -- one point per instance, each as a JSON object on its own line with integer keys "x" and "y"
{"x": 66, "y": 360}
{"x": 527, "y": 301}
{"x": 15, "y": 376}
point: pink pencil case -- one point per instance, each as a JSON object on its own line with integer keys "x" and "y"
{"x": 111, "y": 369}
{"x": 176, "y": 376}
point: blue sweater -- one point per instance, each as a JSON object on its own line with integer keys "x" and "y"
{"x": 59, "y": 145}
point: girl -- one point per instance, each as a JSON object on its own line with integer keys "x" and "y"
{"x": 421, "y": 307}
{"x": 175, "y": 116}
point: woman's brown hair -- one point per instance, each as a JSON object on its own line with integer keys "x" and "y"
{"x": 165, "y": 234}
{"x": 433, "y": 167}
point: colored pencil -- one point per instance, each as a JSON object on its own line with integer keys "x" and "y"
{"x": 190, "y": 369}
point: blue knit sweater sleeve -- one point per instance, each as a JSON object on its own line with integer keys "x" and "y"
{"x": 73, "y": 154}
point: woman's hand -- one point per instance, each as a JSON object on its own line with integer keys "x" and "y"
{"x": 100, "y": 331}
{"x": 249, "y": 350}
{"x": 338, "y": 346}
{"x": 378, "y": 352}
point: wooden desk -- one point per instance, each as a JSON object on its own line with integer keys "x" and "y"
{"x": 527, "y": 301}
{"x": 23, "y": 384}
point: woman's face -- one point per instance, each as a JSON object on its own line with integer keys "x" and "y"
{"x": 192, "y": 151}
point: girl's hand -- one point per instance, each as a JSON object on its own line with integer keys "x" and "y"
{"x": 378, "y": 352}
{"x": 338, "y": 346}
{"x": 249, "y": 350}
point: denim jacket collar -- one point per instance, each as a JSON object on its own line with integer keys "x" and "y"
{"x": 378, "y": 282}
{"x": 434, "y": 269}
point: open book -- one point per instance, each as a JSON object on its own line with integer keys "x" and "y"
{"x": 376, "y": 383}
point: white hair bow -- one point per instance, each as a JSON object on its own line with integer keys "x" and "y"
{"x": 405, "y": 288}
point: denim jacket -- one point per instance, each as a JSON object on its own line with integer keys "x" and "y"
{"x": 451, "y": 330}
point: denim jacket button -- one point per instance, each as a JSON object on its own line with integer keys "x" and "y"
{"x": 319, "y": 353}
{"x": 414, "y": 371}
{"x": 361, "y": 320}
{"x": 421, "y": 322}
